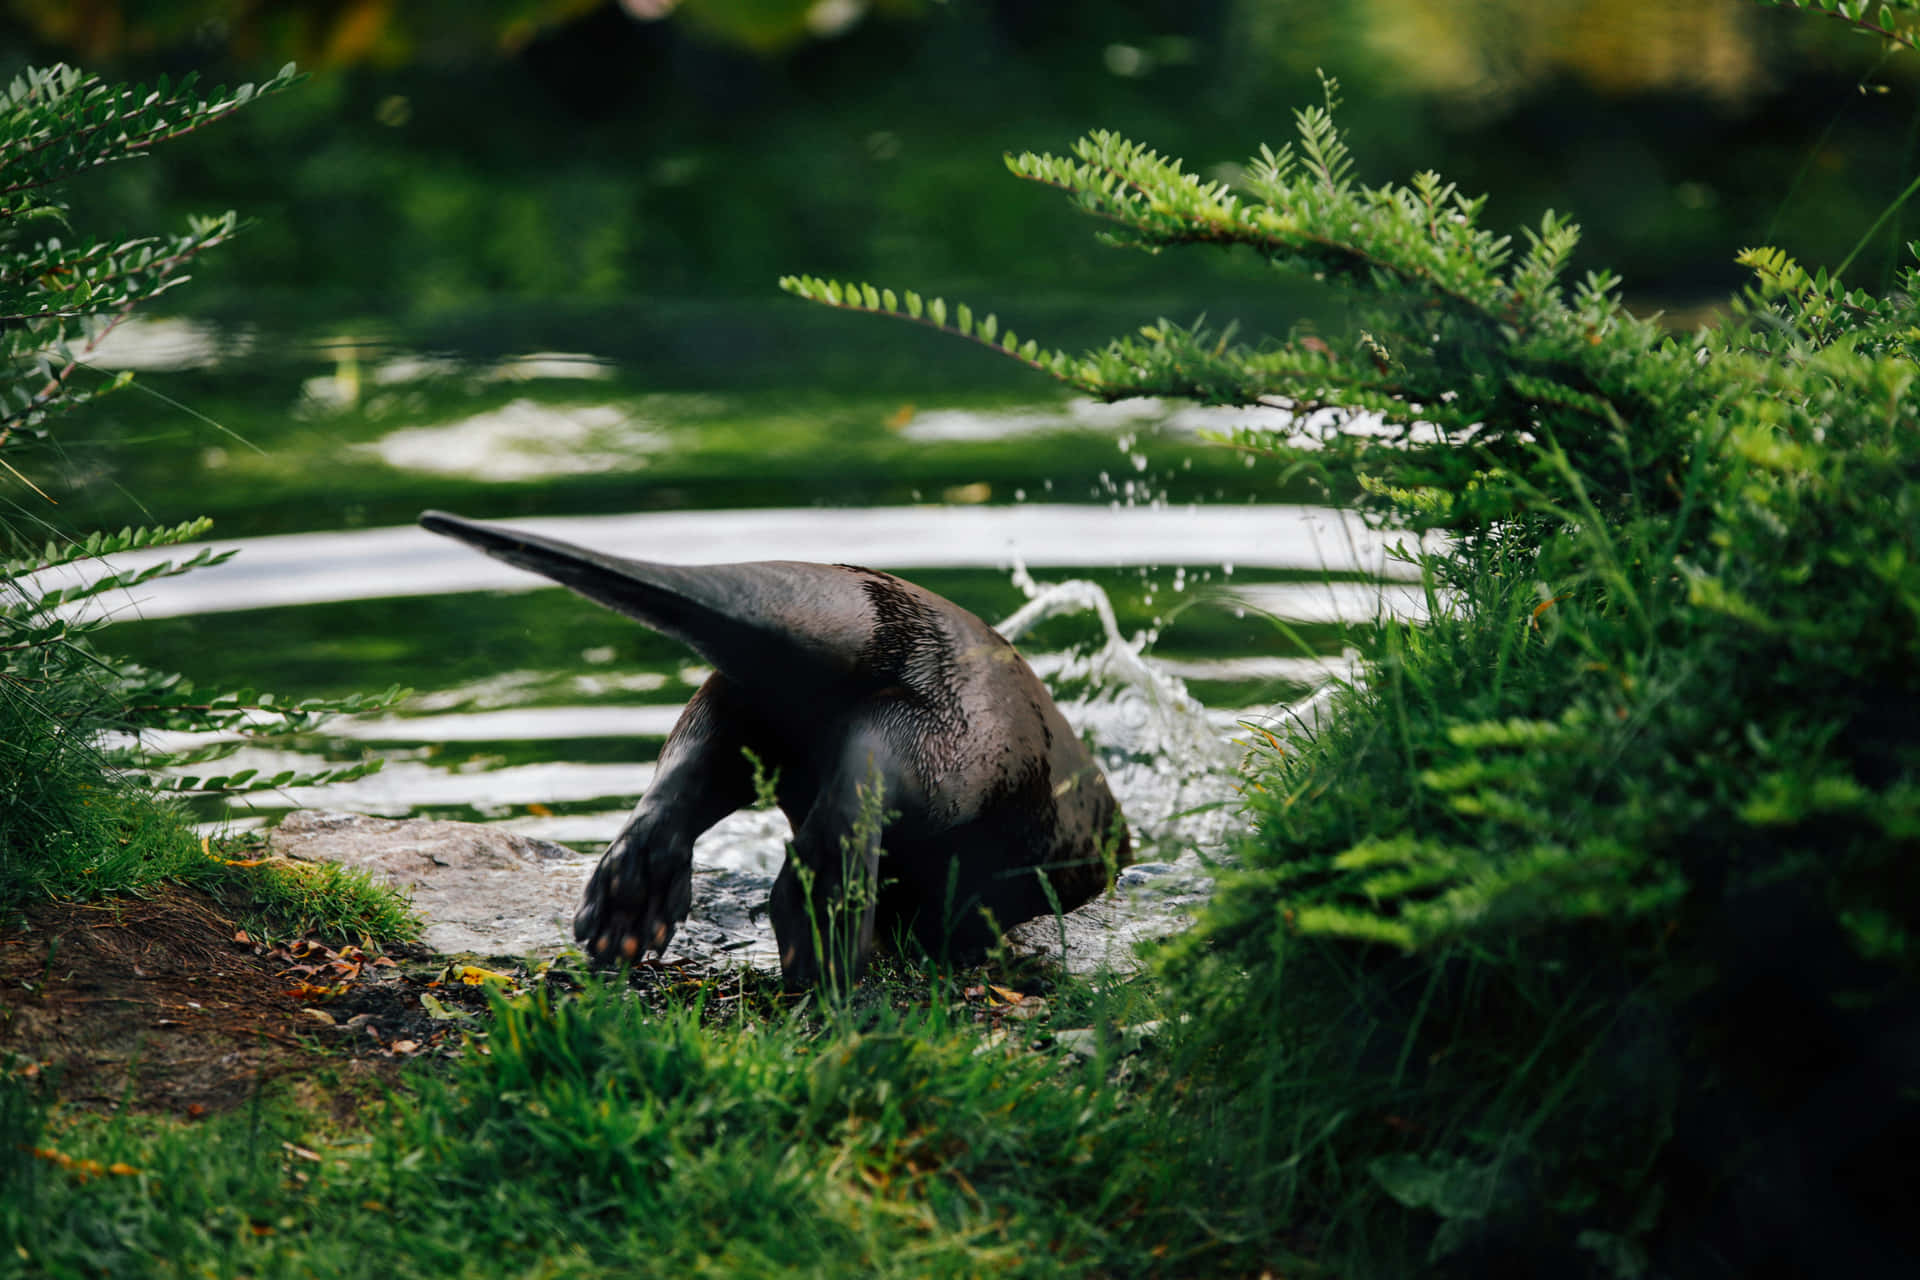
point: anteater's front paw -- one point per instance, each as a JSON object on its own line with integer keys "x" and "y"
{"x": 637, "y": 897}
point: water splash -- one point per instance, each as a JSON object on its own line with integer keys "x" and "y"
{"x": 1164, "y": 755}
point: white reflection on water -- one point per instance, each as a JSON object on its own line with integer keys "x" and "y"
{"x": 151, "y": 344}
{"x": 406, "y": 785}
{"x": 518, "y": 724}
{"x": 1336, "y": 601}
{"x": 312, "y": 568}
{"x": 1149, "y": 413}
{"x": 1079, "y": 414}
{"x": 525, "y": 440}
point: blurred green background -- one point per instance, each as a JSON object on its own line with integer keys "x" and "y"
{"x": 547, "y": 156}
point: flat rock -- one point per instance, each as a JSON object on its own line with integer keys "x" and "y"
{"x": 1149, "y": 901}
{"x": 480, "y": 889}
{"x": 484, "y": 890}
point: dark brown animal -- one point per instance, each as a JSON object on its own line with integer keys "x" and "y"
{"x": 935, "y": 791}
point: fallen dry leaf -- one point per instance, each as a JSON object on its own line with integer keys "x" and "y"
{"x": 1031, "y": 1007}
{"x": 438, "y": 1011}
{"x": 473, "y": 975}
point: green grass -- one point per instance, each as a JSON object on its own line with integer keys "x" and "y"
{"x": 281, "y": 898}
{"x": 589, "y": 1135}
{"x": 67, "y": 826}
{"x": 70, "y": 827}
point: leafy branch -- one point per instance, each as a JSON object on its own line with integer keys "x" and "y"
{"x": 1897, "y": 22}
{"x": 56, "y": 297}
{"x": 56, "y": 122}
{"x": 98, "y": 544}
{"x": 1438, "y": 294}
{"x": 61, "y": 120}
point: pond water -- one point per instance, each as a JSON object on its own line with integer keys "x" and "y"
{"x": 1168, "y": 603}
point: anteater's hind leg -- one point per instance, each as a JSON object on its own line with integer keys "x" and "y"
{"x": 826, "y": 900}
{"x": 644, "y": 884}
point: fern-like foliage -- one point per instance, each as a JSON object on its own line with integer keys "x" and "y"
{"x": 1789, "y": 309}
{"x": 1460, "y": 341}
{"x": 59, "y": 298}
{"x": 1469, "y": 344}
{"x": 46, "y": 643}
{"x": 67, "y": 708}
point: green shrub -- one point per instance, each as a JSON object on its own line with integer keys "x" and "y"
{"x": 1584, "y": 937}
{"x": 77, "y": 769}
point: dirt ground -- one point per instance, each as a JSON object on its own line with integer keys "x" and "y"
{"x": 162, "y": 1003}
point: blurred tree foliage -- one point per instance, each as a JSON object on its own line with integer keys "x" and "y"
{"x": 334, "y": 33}
{"x": 1474, "y": 48}
{"x": 568, "y": 154}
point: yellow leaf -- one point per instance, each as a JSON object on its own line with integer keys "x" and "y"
{"x": 968, "y": 494}
{"x": 473, "y": 975}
